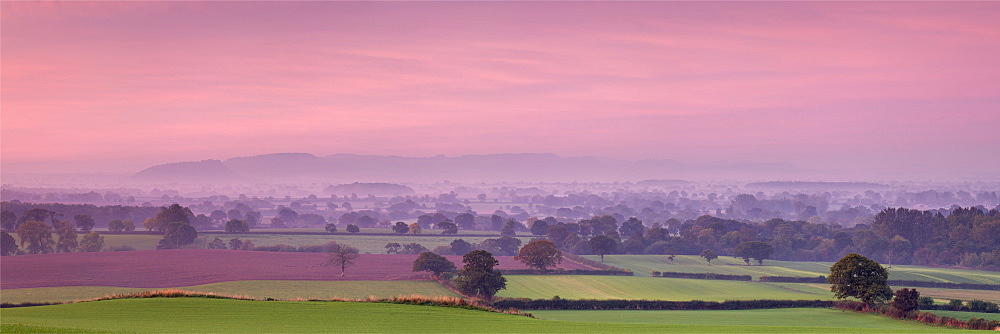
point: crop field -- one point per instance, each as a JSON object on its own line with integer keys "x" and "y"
{"x": 642, "y": 265}
{"x": 186, "y": 267}
{"x": 813, "y": 317}
{"x": 623, "y": 287}
{"x": 235, "y": 316}
{"x": 283, "y": 290}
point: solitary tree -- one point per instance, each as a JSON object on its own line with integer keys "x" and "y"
{"x": 392, "y": 248}
{"x": 754, "y": 250}
{"x": 709, "y": 255}
{"x": 437, "y": 264}
{"x": 342, "y": 256}
{"x": 906, "y": 300}
{"x": 38, "y": 236}
{"x": 351, "y": 228}
{"x": 860, "y": 277}
{"x": 93, "y": 242}
{"x": 602, "y": 244}
{"x": 400, "y": 228}
{"x": 332, "y": 228}
{"x": 477, "y": 277}
{"x": 539, "y": 254}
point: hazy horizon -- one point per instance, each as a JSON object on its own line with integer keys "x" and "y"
{"x": 870, "y": 88}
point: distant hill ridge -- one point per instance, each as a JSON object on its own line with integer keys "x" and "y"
{"x": 349, "y": 168}
{"x": 816, "y": 185}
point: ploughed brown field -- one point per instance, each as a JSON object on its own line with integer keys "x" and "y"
{"x": 185, "y": 267}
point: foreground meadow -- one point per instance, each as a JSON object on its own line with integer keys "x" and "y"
{"x": 652, "y": 288}
{"x": 202, "y": 315}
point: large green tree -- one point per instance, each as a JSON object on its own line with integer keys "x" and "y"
{"x": 437, "y": 264}
{"x": 477, "y": 277}
{"x": 540, "y": 254}
{"x": 859, "y": 277}
{"x": 709, "y": 255}
{"x": 602, "y": 245}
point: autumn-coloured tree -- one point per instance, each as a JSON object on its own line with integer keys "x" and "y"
{"x": 414, "y": 228}
{"x": 540, "y": 254}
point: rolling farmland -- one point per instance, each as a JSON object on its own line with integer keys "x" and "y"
{"x": 642, "y": 265}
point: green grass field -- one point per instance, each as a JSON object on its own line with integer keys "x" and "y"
{"x": 623, "y": 287}
{"x": 283, "y": 290}
{"x": 941, "y": 295}
{"x": 967, "y": 315}
{"x": 642, "y": 265}
{"x": 813, "y": 317}
{"x": 200, "y": 315}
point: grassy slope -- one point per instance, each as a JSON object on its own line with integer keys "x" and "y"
{"x": 621, "y": 287}
{"x": 258, "y": 289}
{"x": 642, "y": 265}
{"x": 818, "y": 317}
{"x": 233, "y": 316}
{"x": 967, "y": 315}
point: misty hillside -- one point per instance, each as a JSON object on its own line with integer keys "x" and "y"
{"x": 195, "y": 171}
{"x": 349, "y": 168}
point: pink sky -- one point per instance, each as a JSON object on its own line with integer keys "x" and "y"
{"x": 118, "y": 87}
